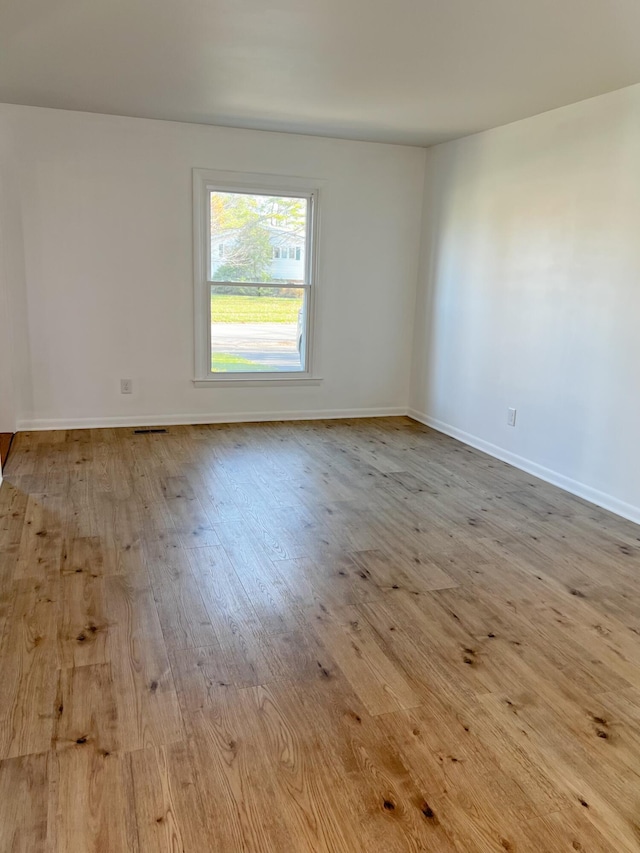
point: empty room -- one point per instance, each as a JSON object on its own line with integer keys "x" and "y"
{"x": 319, "y": 426}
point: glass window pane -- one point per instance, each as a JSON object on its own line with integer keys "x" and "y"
{"x": 254, "y": 230}
{"x": 257, "y": 329}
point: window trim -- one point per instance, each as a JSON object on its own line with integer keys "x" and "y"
{"x": 205, "y": 180}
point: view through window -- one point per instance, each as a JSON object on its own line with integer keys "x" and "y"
{"x": 259, "y": 280}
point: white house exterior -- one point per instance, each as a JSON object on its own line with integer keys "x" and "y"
{"x": 287, "y": 248}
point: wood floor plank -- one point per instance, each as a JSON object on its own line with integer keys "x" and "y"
{"x": 269, "y": 596}
{"x": 83, "y": 624}
{"x": 197, "y": 672}
{"x": 40, "y": 549}
{"x": 384, "y": 802}
{"x": 86, "y": 713}
{"x": 606, "y": 798}
{"x": 236, "y": 624}
{"x": 93, "y": 802}
{"x": 146, "y": 700}
{"x": 189, "y": 518}
{"x": 298, "y": 656}
{"x": 303, "y": 778}
{"x": 567, "y": 830}
{"x": 156, "y": 818}
{"x": 232, "y": 767}
{"x": 184, "y": 620}
{"x": 354, "y": 646}
{"x": 28, "y": 662}
{"x": 83, "y": 555}
{"x": 333, "y": 580}
{"x": 389, "y": 572}
{"x": 24, "y": 794}
{"x": 165, "y": 557}
{"x": 12, "y": 517}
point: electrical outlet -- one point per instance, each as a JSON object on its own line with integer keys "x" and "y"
{"x": 126, "y": 386}
{"x": 511, "y": 417}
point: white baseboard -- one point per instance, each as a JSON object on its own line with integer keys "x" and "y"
{"x": 43, "y": 424}
{"x": 594, "y": 496}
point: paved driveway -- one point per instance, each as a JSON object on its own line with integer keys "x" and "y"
{"x": 272, "y": 345}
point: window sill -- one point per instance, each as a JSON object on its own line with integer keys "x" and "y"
{"x": 253, "y": 381}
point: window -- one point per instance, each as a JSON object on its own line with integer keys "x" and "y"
{"x": 255, "y": 271}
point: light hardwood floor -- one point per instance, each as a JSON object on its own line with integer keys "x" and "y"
{"x": 327, "y": 636}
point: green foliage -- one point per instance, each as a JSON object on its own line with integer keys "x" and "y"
{"x": 243, "y": 222}
{"x": 249, "y": 257}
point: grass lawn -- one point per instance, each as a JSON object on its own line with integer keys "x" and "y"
{"x": 228, "y": 308}
{"x": 225, "y": 362}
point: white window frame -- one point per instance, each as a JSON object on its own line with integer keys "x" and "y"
{"x": 205, "y": 181}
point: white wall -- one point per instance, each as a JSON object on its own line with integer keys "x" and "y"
{"x": 7, "y": 408}
{"x": 8, "y": 311}
{"x": 529, "y": 296}
{"x": 99, "y": 220}
{"x": 7, "y": 400}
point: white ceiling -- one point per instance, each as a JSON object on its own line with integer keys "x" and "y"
{"x": 415, "y": 71}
